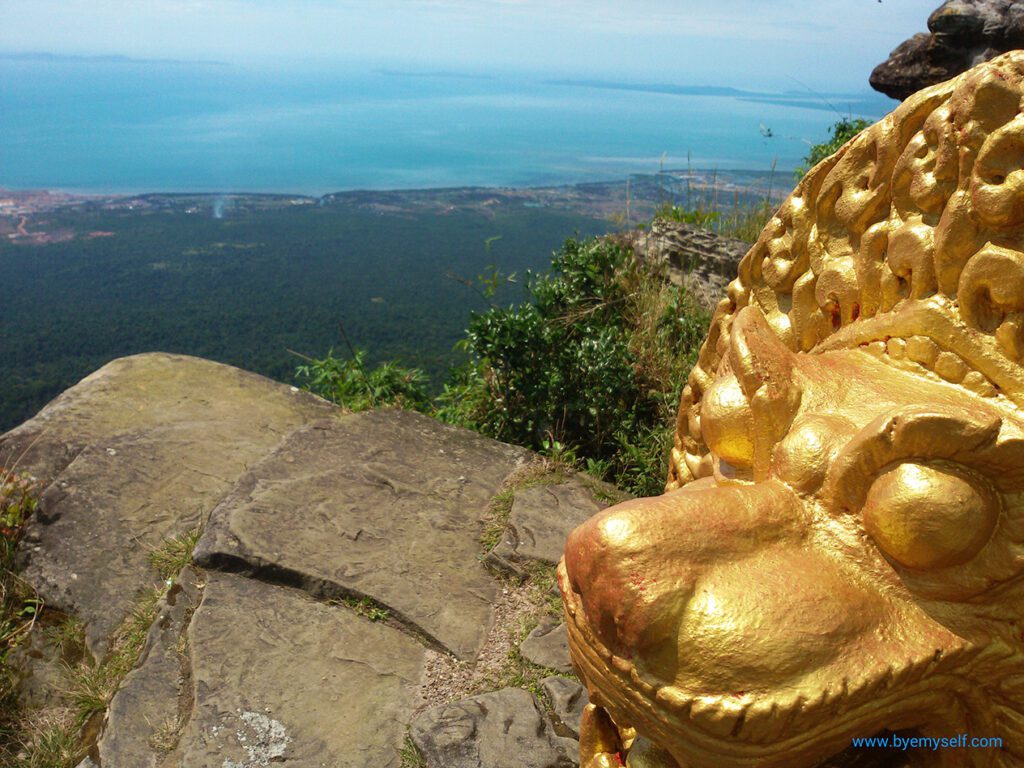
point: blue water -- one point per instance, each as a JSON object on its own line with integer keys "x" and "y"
{"x": 134, "y": 127}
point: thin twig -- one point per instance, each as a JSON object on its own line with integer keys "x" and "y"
{"x": 17, "y": 461}
{"x": 471, "y": 285}
{"x": 299, "y": 355}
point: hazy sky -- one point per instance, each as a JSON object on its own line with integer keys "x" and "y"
{"x": 774, "y": 44}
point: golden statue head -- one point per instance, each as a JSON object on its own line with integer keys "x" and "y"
{"x": 840, "y": 550}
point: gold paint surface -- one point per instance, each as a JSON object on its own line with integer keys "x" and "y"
{"x": 924, "y": 516}
{"x": 840, "y": 548}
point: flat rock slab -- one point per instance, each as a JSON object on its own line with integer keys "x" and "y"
{"x": 503, "y": 729}
{"x": 278, "y": 678}
{"x": 548, "y": 646}
{"x": 136, "y": 453}
{"x": 542, "y": 518}
{"x": 386, "y": 504}
{"x": 132, "y": 395}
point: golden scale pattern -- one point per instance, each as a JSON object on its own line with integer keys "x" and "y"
{"x": 908, "y": 242}
{"x": 848, "y": 555}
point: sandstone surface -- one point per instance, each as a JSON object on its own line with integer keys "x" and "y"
{"x": 386, "y": 505}
{"x": 503, "y": 729}
{"x": 568, "y": 699}
{"x": 280, "y": 678}
{"x": 541, "y": 519}
{"x": 156, "y": 698}
{"x": 136, "y": 453}
{"x": 337, "y": 554}
{"x": 548, "y": 646}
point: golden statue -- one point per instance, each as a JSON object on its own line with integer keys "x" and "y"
{"x": 840, "y": 550}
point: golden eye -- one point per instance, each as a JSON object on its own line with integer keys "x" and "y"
{"x": 930, "y": 515}
{"x": 727, "y": 422}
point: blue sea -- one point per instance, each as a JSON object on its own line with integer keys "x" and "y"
{"x": 124, "y": 126}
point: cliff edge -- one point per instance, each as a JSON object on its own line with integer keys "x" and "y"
{"x": 342, "y": 604}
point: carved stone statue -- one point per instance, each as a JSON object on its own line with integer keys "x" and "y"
{"x": 840, "y": 550}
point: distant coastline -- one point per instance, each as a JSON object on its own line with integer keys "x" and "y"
{"x": 114, "y": 58}
{"x": 442, "y": 73}
{"x": 592, "y": 198}
{"x": 865, "y": 104}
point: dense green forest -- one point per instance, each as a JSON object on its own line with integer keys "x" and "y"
{"x": 245, "y": 288}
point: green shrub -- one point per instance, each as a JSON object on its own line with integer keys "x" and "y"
{"x": 842, "y": 131}
{"x": 743, "y": 221}
{"x": 706, "y": 218}
{"x": 587, "y": 371}
{"x": 350, "y": 385}
{"x": 591, "y": 366}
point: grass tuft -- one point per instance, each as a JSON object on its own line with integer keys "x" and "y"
{"x": 93, "y": 685}
{"x": 175, "y": 554}
{"x": 68, "y": 636}
{"x": 46, "y": 739}
{"x": 165, "y": 738}
{"x": 410, "y": 756}
{"x": 51, "y": 738}
{"x": 366, "y": 607}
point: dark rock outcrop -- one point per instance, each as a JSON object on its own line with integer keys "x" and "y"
{"x": 701, "y": 260}
{"x": 962, "y": 33}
